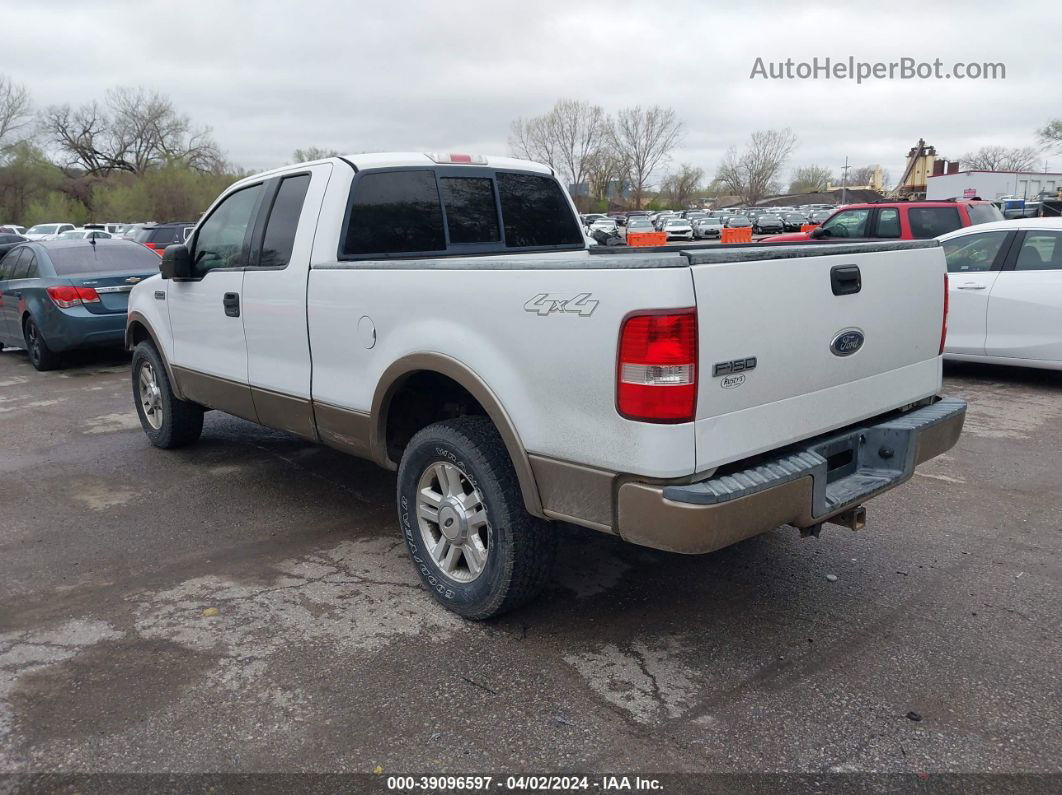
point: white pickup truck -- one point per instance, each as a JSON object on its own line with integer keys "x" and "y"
{"x": 440, "y": 315}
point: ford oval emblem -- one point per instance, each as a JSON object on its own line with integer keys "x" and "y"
{"x": 847, "y": 342}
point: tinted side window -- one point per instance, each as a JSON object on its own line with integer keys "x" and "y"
{"x": 219, "y": 242}
{"x": 163, "y": 236}
{"x": 929, "y": 222}
{"x": 983, "y": 213}
{"x": 850, "y": 223}
{"x": 471, "y": 214}
{"x": 10, "y": 263}
{"x": 395, "y": 212}
{"x": 22, "y": 266}
{"x": 1040, "y": 251}
{"x": 535, "y": 212}
{"x": 888, "y": 222}
{"x": 971, "y": 253}
{"x": 28, "y": 266}
{"x": 283, "y": 222}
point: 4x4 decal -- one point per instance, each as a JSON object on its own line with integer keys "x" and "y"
{"x": 547, "y": 303}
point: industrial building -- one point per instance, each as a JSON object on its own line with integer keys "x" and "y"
{"x": 992, "y": 185}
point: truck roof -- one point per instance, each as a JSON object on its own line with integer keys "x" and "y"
{"x": 366, "y": 160}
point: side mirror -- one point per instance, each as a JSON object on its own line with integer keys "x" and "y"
{"x": 817, "y": 233}
{"x": 176, "y": 262}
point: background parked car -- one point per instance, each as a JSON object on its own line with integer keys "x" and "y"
{"x": 12, "y": 229}
{"x": 707, "y": 227}
{"x": 766, "y": 222}
{"x": 8, "y": 242}
{"x": 1005, "y": 293}
{"x": 158, "y": 236}
{"x": 64, "y": 294}
{"x": 794, "y": 221}
{"x": 897, "y": 221}
{"x": 737, "y": 222}
{"x": 678, "y": 228}
{"x": 46, "y": 231}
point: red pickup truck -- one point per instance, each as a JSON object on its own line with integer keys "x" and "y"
{"x": 896, "y": 221}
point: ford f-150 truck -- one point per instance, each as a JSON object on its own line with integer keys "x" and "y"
{"x": 440, "y": 315}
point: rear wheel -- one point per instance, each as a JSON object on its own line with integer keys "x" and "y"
{"x": 462, "y": 515}
{"x": 40, "y": 355}
{"x": 167, "y": 420}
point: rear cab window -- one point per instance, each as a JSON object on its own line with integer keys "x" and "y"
{"x": 455, "y": 211}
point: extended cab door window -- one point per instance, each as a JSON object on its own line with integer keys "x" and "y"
{"x": 283, "y": 222}
{"x": 222, "y": 240}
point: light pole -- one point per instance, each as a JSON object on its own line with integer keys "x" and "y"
{"x": 844, "y": 181}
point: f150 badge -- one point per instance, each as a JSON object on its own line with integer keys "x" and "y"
{"x": 547, "y": 303}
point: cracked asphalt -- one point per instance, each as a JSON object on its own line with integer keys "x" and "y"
{"x": 247, "y": 605}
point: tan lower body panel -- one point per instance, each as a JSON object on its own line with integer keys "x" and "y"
{"x": 216, "y": 393}
{"x": 646, "y": 518}
{"x": 344, "y": 429}
{"x": 285, "y": 413}
{"x": 574, "y": 493}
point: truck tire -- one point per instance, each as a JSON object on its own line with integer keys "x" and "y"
{"x": 167, "y": 420}
{"x": 41, "y": 356}
{"x": 462, "y": 515}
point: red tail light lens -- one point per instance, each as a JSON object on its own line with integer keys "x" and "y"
{"x": 944, "y": 321}
{"x": 67, "y": 297}
{"x": 64, "y": 297}
{"x": 656, "y": 379}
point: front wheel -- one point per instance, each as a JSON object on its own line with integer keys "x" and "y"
{"x": 462, "y": 515}
{"x": 167, "y": 420}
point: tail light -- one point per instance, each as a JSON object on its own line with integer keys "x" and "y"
{"x": 656, "y": 379}
{"x": 944, "y": 320}
{"x": 66, "y": 297}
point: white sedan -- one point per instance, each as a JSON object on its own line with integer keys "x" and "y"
{"x": 678, "y": 228}
{"x": 1005, "y": 293}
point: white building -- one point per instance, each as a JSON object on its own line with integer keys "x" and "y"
{"x": 992, "y": 185}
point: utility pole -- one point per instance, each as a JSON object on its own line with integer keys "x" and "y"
{"x": 844, "y": 181}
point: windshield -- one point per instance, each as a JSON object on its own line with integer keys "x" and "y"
{"x": 43, "y": 229}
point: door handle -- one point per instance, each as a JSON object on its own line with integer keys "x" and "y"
{"x": 231, "y": 302}
{"x": 971, "y": 286}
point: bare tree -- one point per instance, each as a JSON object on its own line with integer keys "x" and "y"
{"x": 1050, "y": 134}
{"x": 643, "y": 139}
{"x": 683, "y": 185}
{"x": 753, "y": 173}
{"x": 15, "y": 114}
{"x": 579, "y": 128}
{"x": 810, "y": 179}
{"x": 133, "y": 130}
{"x": 531, "y": 139}
{"x": 313, "y": 153}
{"x": 603, "y": 168}
{"x": 1001, "y": 158}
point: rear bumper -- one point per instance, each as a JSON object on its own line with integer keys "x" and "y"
{"x": 78, "y": 328}
{"x": 802, "y": 486}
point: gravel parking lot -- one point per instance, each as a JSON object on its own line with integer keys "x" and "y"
{"x": 247, "y": 605}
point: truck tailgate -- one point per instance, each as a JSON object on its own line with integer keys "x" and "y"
{"x": 779, "y": 307}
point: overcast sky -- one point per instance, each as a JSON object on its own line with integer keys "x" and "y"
{"x": 452, "y": 75}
